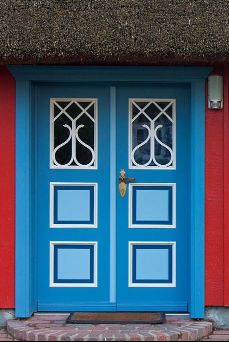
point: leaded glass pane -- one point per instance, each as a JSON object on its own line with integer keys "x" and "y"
{"x": 73, "y": 133}
{"x": 152, "y": 133}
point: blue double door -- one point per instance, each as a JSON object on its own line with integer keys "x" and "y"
{"x": 112, "y": 195}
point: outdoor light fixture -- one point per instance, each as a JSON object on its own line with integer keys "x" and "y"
{"x": 215, "y": 92}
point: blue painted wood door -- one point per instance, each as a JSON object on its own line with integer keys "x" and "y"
{"x": 73, "y": 197}
{"x": 153, "y": 219}
{"x": 96, "y": 249}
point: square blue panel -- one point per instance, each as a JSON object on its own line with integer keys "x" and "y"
{"x": 152, "y": 205}
{"x": 74, "y": 264}
{"x": 152, "y": 264}
{"x": 73, "y": 204}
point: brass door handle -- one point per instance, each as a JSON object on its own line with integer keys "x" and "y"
{"x": 123, "y": 180}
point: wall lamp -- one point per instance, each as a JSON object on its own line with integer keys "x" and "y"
{"x": 215, "y": 92}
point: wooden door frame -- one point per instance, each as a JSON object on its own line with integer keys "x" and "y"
{"x": 26, "y": 77}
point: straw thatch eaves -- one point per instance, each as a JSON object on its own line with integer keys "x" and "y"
{"x": 114, "y": 31}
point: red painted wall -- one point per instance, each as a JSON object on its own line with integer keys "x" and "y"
{"x": 217, "y": 195}
{"x": 7, "y": 192}
{"x": 226, "y": 186}
{"x": 217, "y": 200}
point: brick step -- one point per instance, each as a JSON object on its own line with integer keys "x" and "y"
{"x": 218, "y": 337}
{"x": 54, "y": 328}
{"x": 4, "y": 336}
{"x": 221, "y": 332}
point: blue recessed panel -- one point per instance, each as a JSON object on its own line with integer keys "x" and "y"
{"x": 74, "y": 264}
{"x": 152, "y": 205}
{"x": 74, "y": 204}
{"x": 152, "y": 264}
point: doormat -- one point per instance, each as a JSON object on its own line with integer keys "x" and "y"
{"x": 116, "y": 318}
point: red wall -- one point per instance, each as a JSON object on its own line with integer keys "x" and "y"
{"x": 217, "y": 195}
{"x": 217, "y": 201}
{"x": 7, "y": 192}
{"x": 226, "y": 188}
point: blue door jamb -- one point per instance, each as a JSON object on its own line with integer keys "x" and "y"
{"x": 26, "y": 302}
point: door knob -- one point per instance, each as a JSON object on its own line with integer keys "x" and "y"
{"x": 123, "y": 182}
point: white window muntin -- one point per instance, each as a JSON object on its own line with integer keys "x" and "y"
{"x": 72, "y": 100}
{"x": 130, "y": 147}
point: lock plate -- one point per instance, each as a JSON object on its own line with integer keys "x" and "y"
{"x": 122, "y": 188}
{"x": 123, "y": 180}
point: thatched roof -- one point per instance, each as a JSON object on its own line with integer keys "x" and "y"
{"x": 114, "y": 31}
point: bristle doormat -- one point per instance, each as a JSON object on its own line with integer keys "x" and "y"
{"x": 116, "y": 317}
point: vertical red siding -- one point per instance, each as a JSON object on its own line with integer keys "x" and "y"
{"x": 7, "y": 193}
{"x": 217, "y": 201}
{"x": 226, "y": 185}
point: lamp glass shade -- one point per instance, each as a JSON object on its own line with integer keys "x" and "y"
{"x": 215, "y": 92}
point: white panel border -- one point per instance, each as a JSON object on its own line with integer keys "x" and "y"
{"x": 51, "y": 266}
{"x": 154, "y": 243}
{"x": 130, "y": 207}
{"x": 86, "y": 99}
{"x": 130, "y": 135}
{"x": 68, "y": 225}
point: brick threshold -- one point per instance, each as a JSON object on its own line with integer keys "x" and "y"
{"x": 51, "y": 327}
